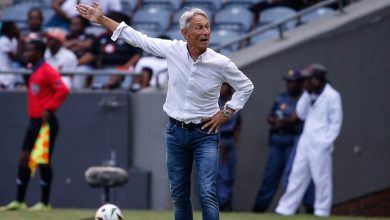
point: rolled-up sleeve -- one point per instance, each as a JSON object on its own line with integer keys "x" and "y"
{"x": 155, "y": 46}
{"x": 241, "y": 83}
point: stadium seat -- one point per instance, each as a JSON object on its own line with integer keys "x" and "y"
{"x": 220, "y": 36}
{"x": 146, "y": 29}
{"x": 212, "y": 5}
{"x": 174, "y": 34}
{"x": 278, "y": 13}
{"x": 167, "y": 4}
{"x": 156, "y": 19}
{"x": 39, "y": 2}
{"x": 232, "y": 18}
{"x": 180, "y": 11}
{"x": 240, "y": 3}
{"x": 128, "y": 6}
{"x": 18, "y": 13}
{"x": 316, "y": 14}
{"x": 268, "y": 34}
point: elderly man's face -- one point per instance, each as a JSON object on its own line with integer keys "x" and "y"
{"x": 198, "y": 33}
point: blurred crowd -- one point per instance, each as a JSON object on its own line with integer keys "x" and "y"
{"x": 76, "y": 45}
{"x": 71, "y": 49}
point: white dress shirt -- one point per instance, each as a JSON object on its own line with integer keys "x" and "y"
{"x": 7, "y": 46}
{"x": 193, "y": 87}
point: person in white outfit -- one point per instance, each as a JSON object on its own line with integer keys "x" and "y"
{"x": 320, "y": 108}
{"x": 9, "y": 39}
{"x": 58, "y": 56}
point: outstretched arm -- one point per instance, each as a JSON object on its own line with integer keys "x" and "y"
{"x": 95, "y": 14}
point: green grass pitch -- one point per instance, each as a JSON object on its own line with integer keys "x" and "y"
{"x": 87, "y": 214}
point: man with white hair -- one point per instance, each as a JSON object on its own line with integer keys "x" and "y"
{"x": 196, "y": 74}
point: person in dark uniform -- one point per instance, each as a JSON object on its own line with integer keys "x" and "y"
{"x": 229, "y": 133}
{"x": 284, "y": 133}
{"x": 46, "y": 92}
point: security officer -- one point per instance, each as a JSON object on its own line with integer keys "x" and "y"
{"x": 229, "y": 133}
{"x": 284, "y": 133}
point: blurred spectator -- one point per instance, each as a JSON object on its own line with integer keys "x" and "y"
{"x": 320, "y": 107}
{"x": 283, "y": 136}
{"x": 113, "y": 55}
{"x": 159, "y": 68}
{"x": 9, "y": 40}
{"x": 34, "y": 29}
{"x": 58, "y": 56}
{"x": 80, "y": 43}
{"x": 141, "y": 82}
{"x": 66, "y": 9}
{"x": 229, "y": 133}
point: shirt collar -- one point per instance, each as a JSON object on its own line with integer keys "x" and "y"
{"x": 200, "y": 58}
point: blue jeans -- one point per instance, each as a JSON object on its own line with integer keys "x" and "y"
{"x": 226, "y": 174}
{"x": 184, "y": 146}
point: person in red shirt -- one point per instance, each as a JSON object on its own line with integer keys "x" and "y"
{"x": 46, "y": 92}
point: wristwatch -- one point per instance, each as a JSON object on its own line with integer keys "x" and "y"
{"x": 227, "y": 113}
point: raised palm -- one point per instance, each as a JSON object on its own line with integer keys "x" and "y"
{"x": 93, "y": 13}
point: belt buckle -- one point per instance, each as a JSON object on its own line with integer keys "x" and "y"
{"x": 182, "y": 124}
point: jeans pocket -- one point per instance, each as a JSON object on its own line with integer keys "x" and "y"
{"x": 170, "y": 127}
{"x": 206, "y": 130}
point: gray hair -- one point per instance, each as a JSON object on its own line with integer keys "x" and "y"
{"x": 188, "y": 15}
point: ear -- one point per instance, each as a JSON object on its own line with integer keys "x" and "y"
{"x": 185, "y": 34}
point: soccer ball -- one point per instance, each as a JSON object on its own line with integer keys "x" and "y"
{"x": 108, "y": 212}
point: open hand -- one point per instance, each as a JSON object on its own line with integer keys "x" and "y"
{"x": 93, "y": 13}
{"x": 215, "y": 122}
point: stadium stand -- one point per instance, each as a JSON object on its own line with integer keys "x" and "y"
{"x": 232, "y": 18}
{"x": 314, "y": 15}
{"x": 174, "y": 33}
{"x": 184, "y": 8}
{"x": 210, "y": 4}
{"x": 240, "y": 3}
{"x": 221, "y": 35}
{"x": 167, "y": 4}
{"x": 269, "y": 34}
{"x": 154, "y": 18}
{"x": 128, "y": 6}
{"x": 274, "y": 14}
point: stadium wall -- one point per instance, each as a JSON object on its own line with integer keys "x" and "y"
{"x": 357, "y": 56}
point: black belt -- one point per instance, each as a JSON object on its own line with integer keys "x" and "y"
{"x": 184, "y": 125}
{"x": 284, "y": 132}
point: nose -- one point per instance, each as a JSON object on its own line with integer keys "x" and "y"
{"x": 206, "y": 30}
